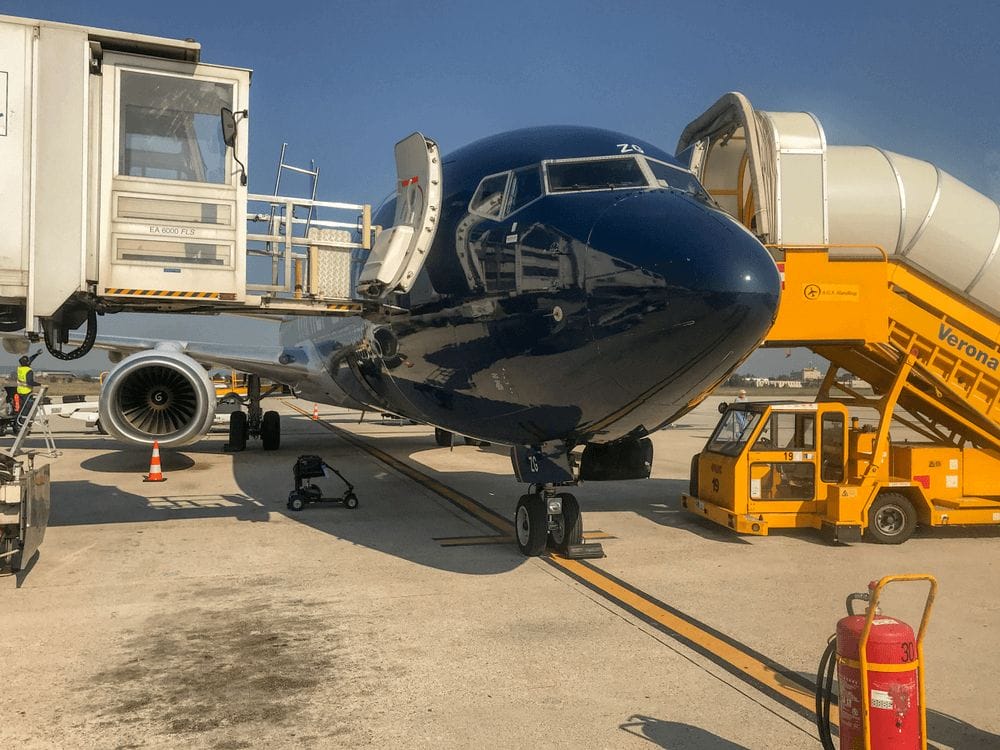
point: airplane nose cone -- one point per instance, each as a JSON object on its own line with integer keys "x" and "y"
{"x": 689, "y": 245}
{"x": 679, "y": 295}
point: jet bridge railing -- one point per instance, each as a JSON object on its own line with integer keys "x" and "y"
{"x": 308, "y": 255}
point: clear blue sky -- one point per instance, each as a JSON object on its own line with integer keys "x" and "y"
{"x": 341, "y": 82}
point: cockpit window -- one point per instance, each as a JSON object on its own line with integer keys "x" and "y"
{"x": 488, "y": 200}
{"x": 595, "y": 174}
{"x": 500, "y": 195}
{"x": 670, "y": 176}
{"x": 524, "y": 188}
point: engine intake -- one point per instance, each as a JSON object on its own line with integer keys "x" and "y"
{"x": 157, "y": 395}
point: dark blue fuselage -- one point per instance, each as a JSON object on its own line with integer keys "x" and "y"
{"x": 588, "y": 315}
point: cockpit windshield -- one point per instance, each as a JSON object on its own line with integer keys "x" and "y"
{"x": 616, "y": 173}
{"x": 674, "y": 177}
{"x": 595, "y": 174}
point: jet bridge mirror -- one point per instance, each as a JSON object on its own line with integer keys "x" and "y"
{"x": 400, "y": 251}
{"x": 228, "y": 127}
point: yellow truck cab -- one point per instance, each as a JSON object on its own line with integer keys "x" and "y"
{"x": 809, "y": 465}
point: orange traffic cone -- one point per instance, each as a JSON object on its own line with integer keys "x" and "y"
{"x": 315, "y": 412}
{"x": 155, "y": 472}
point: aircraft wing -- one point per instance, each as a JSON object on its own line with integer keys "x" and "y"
{"x": 257, "y": 360}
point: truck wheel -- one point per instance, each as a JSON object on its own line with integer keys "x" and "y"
{"x": 891, "y": 519}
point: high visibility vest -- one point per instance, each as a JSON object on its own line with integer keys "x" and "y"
{"x": 22, "y": 380}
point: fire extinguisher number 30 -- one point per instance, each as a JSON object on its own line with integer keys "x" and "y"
{"x": 908, "y": 651}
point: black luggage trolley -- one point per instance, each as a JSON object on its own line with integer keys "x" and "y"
{"x": 310, "y": 467}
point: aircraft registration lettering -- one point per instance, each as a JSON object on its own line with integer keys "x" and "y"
{"x": 630, "y": 148}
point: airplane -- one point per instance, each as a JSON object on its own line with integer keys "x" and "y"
{"x": 581, "y": 289}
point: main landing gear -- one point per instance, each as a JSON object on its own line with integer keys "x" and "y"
{"x": 254, "y": 422}
{"x": 546, "y": 517}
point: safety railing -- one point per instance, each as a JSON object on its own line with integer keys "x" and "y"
{"x": 291, "y": 241}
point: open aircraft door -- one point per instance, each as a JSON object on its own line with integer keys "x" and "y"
{"x": 400, "y": 250}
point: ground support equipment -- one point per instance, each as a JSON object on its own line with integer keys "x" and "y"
{"x": 880, "y": 667}
{"x": 24, "y": 491}
{"x": 311, "y": 467}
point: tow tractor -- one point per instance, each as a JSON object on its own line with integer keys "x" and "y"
{"x": 787, "y": 465}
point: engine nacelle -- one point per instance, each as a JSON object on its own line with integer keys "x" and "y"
{"x": 158, "y": 395}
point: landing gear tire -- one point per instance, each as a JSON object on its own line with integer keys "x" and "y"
{"x": 531, "y": 525}
{"x": 443, "y": 438}
{"x": 237, "y": 431}
{"x": 270, "y": 431}
{"x": 891, "y": 519}
{"x": 568, "y": 525}
{"x": 350, "y": 501}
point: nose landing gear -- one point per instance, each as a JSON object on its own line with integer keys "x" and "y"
{"x": 549, "y": 517}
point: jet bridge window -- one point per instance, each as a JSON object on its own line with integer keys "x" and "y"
{"x": 169, "y": 128}
{"x": 578, "y": 175}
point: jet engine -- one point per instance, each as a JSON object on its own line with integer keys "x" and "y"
{"x": 161, "y": 395}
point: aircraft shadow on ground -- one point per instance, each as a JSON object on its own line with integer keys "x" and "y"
{"x": 398, "y": 526}
{"x": 402, "y": 524}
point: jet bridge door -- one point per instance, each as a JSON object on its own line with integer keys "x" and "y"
{"x": 400, "y": 251}
{"x": 172, "y": 206}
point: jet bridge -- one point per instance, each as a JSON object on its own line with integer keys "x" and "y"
{"x": 123, "y": 170}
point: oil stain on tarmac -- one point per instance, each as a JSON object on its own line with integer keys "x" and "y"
{"x": 221, "y": 672}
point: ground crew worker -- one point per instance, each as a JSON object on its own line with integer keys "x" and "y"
{"x": 25, "y": 381}
{"x": 741, "y": 416}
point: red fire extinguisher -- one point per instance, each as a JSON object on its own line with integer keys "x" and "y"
{"x": 880, "y": 667}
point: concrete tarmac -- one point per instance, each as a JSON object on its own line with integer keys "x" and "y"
{"x": 200, "y": 612}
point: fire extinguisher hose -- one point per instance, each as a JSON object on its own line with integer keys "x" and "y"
{"x": 824, "y": 693}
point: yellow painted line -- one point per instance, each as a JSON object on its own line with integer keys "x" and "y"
{"x": 739, "y": 660}
{"x": 726, "y": 652}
